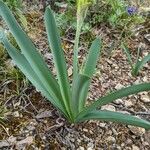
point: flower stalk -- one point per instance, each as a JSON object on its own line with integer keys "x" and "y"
{"x": 82, "y": 7}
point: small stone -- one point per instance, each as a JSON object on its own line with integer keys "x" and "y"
{"x": 145, "y": 144}
{"x": 145, "y": 98}
{"x": 128, "y": 103}
{"x": 4, "y": 143}
{"x": 118, "y": 147}
{"x": 137, "y": 130}
{"x": 109, "y": 62}
{"x": 129, "y": 141}
{"x": 114, "y": 131}
{"x": 16, "y": 114}
{"x": 128, "y": 148}
{"x": 72, "y": 139}
{"x": 48, "y": 56}
{"x": 44, "y": 114}
{"x": 30, "y": 127}
{"x": 89, "y": 148}
{"x": 78, "y": 140}
{"x": 119, "y": 86}
{"x": 138, "y": 80}
{"x": 134, "y": 147}
{"x": 69, "y": 71}
{"x": 147, "y": 136}
{"x": 119, "y": 101}
{"x": 147, "y": 37}
{"x": 90, "y": 144}
{"x": 111, "y": 139}
{"x": 108, "y": 107}
{"x": 81, "y": 148}
{"x": 102, "y": 125}
{"x": 145, "y": 79}
{"x": 122, "y": 144}
{"x": 85, "y": 130}
{"x": 91, "y": 132}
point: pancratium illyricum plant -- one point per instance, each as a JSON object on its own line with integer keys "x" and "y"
{"x": 69, "y": 100}
{"x": 82, "y": 7}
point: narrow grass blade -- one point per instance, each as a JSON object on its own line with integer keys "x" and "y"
{"x": 25, "y": 67}
{"x": 138, "y": 54}
{"x": 116, "y": 95}
{"x": 29, "y": 51}
{"x": 92, "y": 58}
{"x": 117, "y": 117}
{"x": 140, "y": 64}
{"x": 79, "y": 92}
{"x": 58, "y": 55}
{"x": 127, "y": 52}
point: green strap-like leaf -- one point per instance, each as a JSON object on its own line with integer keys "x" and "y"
{"x": 127, "y": 52}
{"x": 58, "y": 56}
{"x": 92, "y": 58}
{"x": 116, "y": 95}
{"x": 79, "y": 93}
{"x": 82, "y": 82}
{"x": 29, "y": 51}
{"x": 140, "y": 64}
{"x": 25, "y": 67}
{"x": 116, "y": 117}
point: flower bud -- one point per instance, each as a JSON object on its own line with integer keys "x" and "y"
{"x": 82, "y": 5}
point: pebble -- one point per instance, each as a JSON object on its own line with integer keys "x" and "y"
{"x": 119, "y": 101}
{"x": 85, "y": 130}
{"x": 114, "y": 131}
{"x": 4, "y": 143}
{"x": 129, "y": 141}
{"x": 48, "y": 56}
{"x": 30, "y": 127}
{"x": 119, "y": 86}
{"x": 137, "y": 81}
{"x": 147, "y": 37}
{"x": 122, "y": 144}
{"x": 90, "y": 145}
{"x": 111, "y": 139}
{"x": 91, "y": 132}
{"x": 145, "y": 98}
{"x": 70, "y": 71}
{"x": 145, "y": 144}
{"x": 44, "y": 114}
{"x": 134, "y": 147}
{"x": 16, "y": 114}
{"x": 118, "y": 148}
{"x": 128, "y": 103}
{"x": 108, "y": 107}
{"x": 102, "y": 125}
{"x": 89, "y": 148}
{"x": 145, "y": 79}
{"x": 80, "y": 148}
{"x": 137, "y": 130}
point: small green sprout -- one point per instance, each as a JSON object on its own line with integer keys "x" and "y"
{"x": 139, "y": 63}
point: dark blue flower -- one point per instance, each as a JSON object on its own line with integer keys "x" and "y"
{"x": 131, "y": 10}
